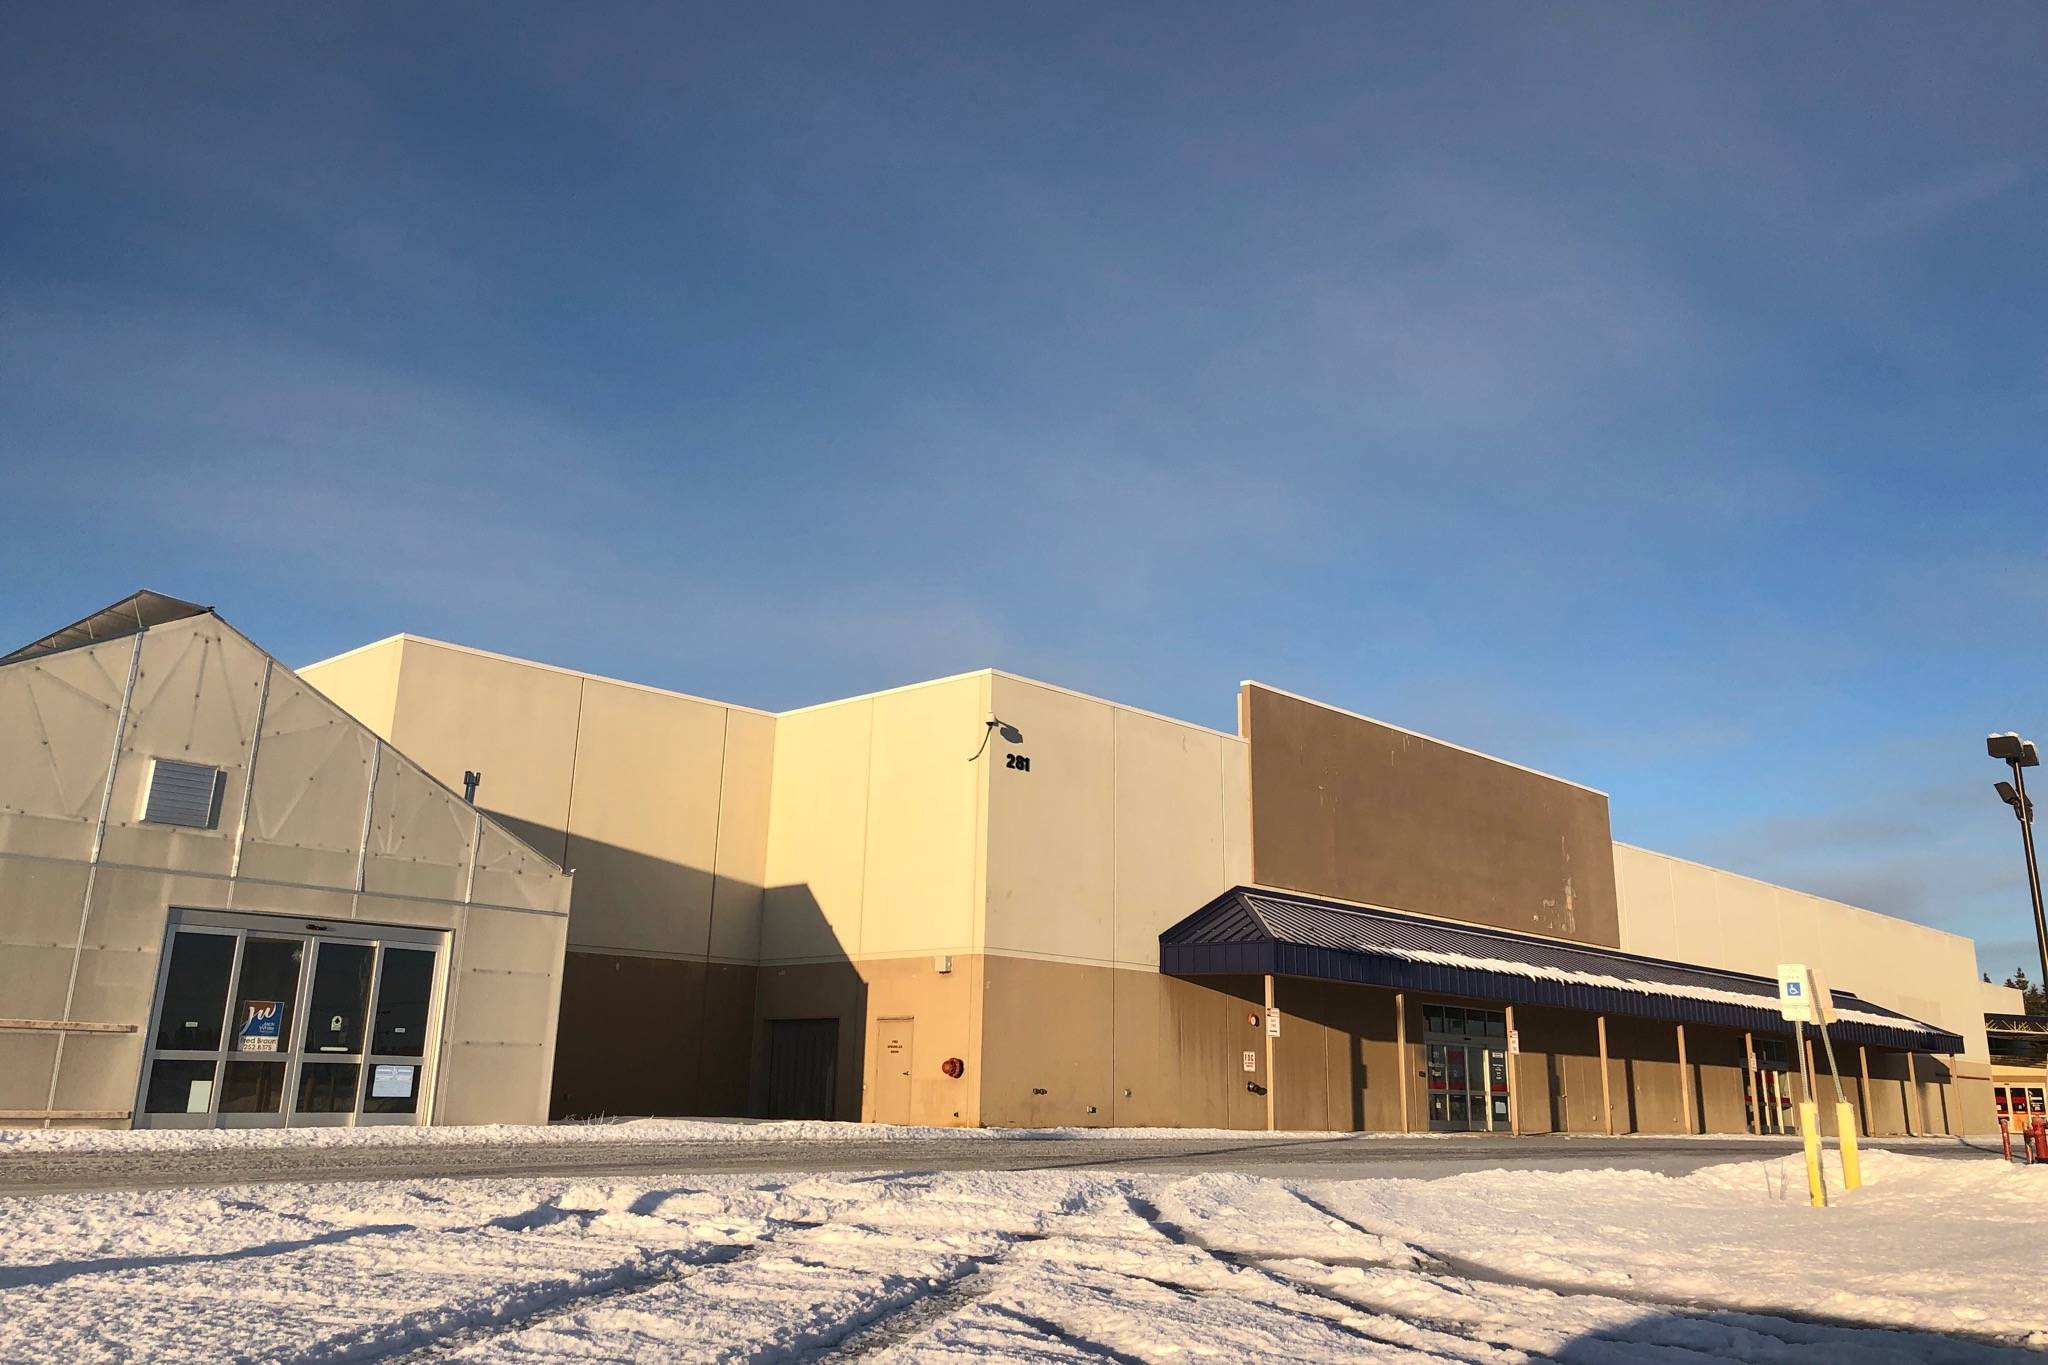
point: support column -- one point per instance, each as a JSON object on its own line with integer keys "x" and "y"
{"x": 1685, "y": 1082}
{"x": 1514, "y": 1081}
{"x": 1404, "y": 1065}
{"x": 1915, "y": 1127}
{"x": 1755, "y": 1117}
{"x": 1606, "y": 1090}
{"x": 1272, "y": 1081}
{"x": 1863, "y": 1093}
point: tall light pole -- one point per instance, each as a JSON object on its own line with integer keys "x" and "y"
{"x": 2019, "y": 755}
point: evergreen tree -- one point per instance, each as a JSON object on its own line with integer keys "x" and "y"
{"x": 2036, "y": 997}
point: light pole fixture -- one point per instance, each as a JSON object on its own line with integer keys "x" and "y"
{"x": 2019, "y": 755}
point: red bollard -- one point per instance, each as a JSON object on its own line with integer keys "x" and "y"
{"x": 2005, "y": 1135}
{"x": 2041, "y": 1139}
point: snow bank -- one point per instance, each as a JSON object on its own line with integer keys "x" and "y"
{"x": 607, "y": 1131}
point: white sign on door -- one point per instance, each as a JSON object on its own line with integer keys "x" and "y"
{"x": 1251, "y": 1061}
{"x": 1272, "y": 1021}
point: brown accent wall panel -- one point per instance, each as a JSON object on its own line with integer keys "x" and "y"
{"x": 1349, "y": 808}
{"x": 652, "y": 1036}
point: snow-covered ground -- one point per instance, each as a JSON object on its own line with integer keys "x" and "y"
{"x": 1504, "y": 1265}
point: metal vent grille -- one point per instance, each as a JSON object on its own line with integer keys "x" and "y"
{"x": 183, "y": 794}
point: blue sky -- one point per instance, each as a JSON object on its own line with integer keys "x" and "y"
{"x": 1651, "y": 394}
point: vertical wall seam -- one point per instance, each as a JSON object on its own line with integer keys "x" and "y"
{"x": 867, "y": 824}
{"x": 92, "y": 869}
{"x": 249, "y": 777}
{"x": 717, "y": 827}
{"x": 369, "y": 811}
{"x": 1116, "y": 820}
{"x": 575, "y": 752}
{"x": 711, "y": 913}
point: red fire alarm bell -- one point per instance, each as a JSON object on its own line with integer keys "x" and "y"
{"x": 953, "y": 1067}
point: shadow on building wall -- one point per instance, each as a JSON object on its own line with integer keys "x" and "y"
{"x": 649, "y": 1025}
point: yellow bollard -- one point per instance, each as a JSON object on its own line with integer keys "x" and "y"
{"x": 1845, "y": 1129}
{"x": 1809, "y": 1131}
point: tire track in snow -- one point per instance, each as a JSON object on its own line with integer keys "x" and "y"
{"x": 1863, "y": 1340}
{"x": 1348, "y": 1315}
{"x": 447, "y": 1328}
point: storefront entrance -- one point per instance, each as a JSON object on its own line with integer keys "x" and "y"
{"x": 1466, "y": 1062}
{"x": 1769, "y": 1098}
{"x": 263, "y": 1021}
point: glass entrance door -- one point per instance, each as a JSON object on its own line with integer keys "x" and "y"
{"x": 1466, "y": 1068}
{"x": 260, "y": 1028}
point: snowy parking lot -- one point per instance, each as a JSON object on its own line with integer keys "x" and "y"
{"x": 1928, "y": 1262}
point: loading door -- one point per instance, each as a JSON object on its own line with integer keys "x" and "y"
{"x": 265, "y": 1022}
{"x": 803, "y": 1067}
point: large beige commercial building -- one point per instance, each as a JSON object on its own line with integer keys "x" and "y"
{"x": 832, "y": 910}
{"x": 989, "y": 900}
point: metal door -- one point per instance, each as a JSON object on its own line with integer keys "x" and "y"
{"x": 894, "y": 1052}
{"x": 803, "y": 1065}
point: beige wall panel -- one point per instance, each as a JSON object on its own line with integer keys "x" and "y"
{"x": 25, "y": 1062}
{"x": 197, "y": 691}
{"x": 1172, "y": 829}
{"x": 99, "y": 1071}
{"x": 1051, "y": 831}
{"x": 1045, "y": 1026}
{"x": 1741, "y": 924}
{"x": 363, "y": 682}
{"x": 742, "y": 862}
{"x": 492, "y": 1083}
{"x": 313, "y": 769}
{"x": 300, "y": 902}
{"x": 1718, "y": 1063}
{"x": 498, "y": 940}
{"x": 1746, "y": 942}
{"x": 921, "y": 852}
{"x": 511, "y": 874}
{"x": 130, "y": 907}
{"x": 940, "y": 1004}
{"x": 57, "y": 718}
{"x": 1146, "y": 1087}
{"x": 115, "y": 985}
{"x": 643, "y": 818}
{"x": 420, "y": 834}
{"x": 1888, "y": 1116}
{"x": 1237, "y": 813}
{"x": 817, "y": 834}
{"x": 41, "y": 903}
{"x": 32, "y": 983}
{"x": 1350, "y": 808}
{"x": 513, "y": 723}
{"x": 1649, "y": 1100}
{"x": 1649, "y": 916}
{"x": 410, "y": 914}
{"x": 495, "y": 1006}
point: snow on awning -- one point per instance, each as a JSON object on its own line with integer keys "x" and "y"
{"x": 1250, "y": 930}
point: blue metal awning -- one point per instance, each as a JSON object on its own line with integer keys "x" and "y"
{"x": 1249, "y": 930}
